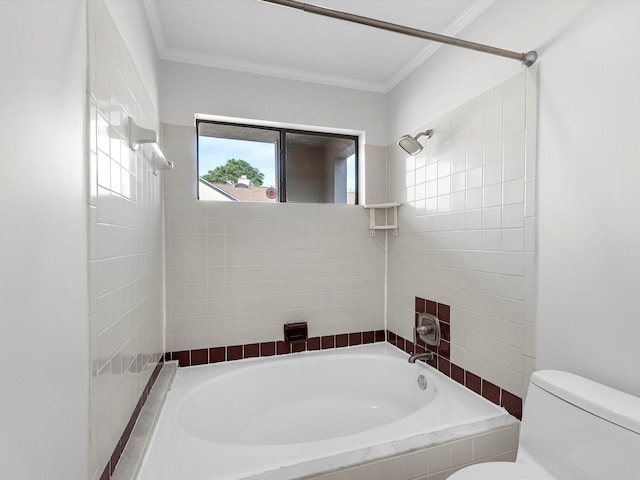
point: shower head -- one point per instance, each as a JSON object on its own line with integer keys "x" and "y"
{"x": 411, "y": 145}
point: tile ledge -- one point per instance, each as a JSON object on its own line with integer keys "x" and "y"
{"x": 131, "y": 460}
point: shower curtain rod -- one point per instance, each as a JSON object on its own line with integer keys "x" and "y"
{"x": 527, "y": 58}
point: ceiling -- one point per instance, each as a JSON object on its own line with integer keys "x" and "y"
{"x": 258, "y": 37}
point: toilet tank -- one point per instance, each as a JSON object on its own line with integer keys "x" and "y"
{"x": 577, "y": 429}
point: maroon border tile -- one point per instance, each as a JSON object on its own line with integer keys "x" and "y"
{"x": 328, "y": 341}
{"x": 420, "y": 305}
{"x": 106, "y": 474}
{"x": 115, "y": 456}
{"x": 431, "y": 307}
{"x": 200, "y": 356}
{"x": 444, "y": 312}
{"x": 251, "y": 350}
{"x": 444, "y": 366}
{"x": 444, "y": 349}
{"x": 267, "y": 349}
{"x": 282, "y": 348}
{"x": 234, "y": 352}
{"x": 433, "y": 361}
{"x": 183, "y": 357}
{"x": 445, "y": 331}
{"x": 457, "y": 373}
{"x": 297, "y": 347}
{"x": 313, "y": 343}
{"x": 342, "y": 340}
{"x": 512, "y": 403}
{"x": 491, "y": 392}
{"x": 217, "y": 354}
{"x": 126, "y": 434}
{"x": 473, "y": 382}
{"x": 409, "y": 347}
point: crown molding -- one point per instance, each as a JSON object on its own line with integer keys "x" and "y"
{"x": 156, "y": 26}
{"x": 227, "y": 63}
{"x": 452, "y": 29}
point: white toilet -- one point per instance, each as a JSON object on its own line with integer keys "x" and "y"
{"x": 572, "y": 429}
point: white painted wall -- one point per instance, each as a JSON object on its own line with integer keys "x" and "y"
{"x": 589, "y": 235}
{"x": 43, "y": 245}
{"x": 189, "y": 89}
{"x": 131, "y": 19}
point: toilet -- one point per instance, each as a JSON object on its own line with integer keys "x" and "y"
{"x": 572, "y": 429}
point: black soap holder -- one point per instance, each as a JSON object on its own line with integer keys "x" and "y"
{"x": 295, "y": 332}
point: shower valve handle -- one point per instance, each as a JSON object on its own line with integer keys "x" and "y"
{"x": 425, "y": 330}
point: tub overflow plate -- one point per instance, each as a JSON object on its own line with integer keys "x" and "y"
{"x": 422, "y": 382}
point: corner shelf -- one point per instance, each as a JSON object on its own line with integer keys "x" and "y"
{"x": 387, "y": 226}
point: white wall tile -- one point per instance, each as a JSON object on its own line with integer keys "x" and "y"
{"x": 439, "y": 458}
{"x": 416, "y": 464}
{"x": 461, "y": 452}
{"x": 486, "y": 276}
{"x": 282, "y": 263}
{"x": 393, "y": 467}
{"x": 126, "y": 334}
{"x": 483, "y": 446}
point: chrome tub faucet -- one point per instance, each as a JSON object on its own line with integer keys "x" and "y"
{"x": 417, "y": 356}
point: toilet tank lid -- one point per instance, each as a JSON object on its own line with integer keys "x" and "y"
{"x": 605, "y": 402}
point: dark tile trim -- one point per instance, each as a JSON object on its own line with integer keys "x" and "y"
{"x": 252, "y": 350}
{"x": 267, "y": 349}
{"x": 217, "y": 354}
{"x": 313, "y": 343}
{"x": 124, "y": 438}
{"x": 188, "y": 358}
{"x": 512, "y": 403}
{"x": 200, "y": 357}
{"x": 234, "y": 352}
{"x": 442, "y": 359}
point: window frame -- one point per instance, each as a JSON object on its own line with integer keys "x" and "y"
{"x": 280, "y": 161}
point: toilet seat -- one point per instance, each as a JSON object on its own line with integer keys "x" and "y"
{"x": 501, "y": 471}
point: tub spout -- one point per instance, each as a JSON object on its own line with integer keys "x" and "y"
{"x": 416, "y": 356}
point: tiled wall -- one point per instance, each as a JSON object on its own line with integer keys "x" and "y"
{"x": 125, "y": 244}
{"x": 468, "y": 231}
{"x": 236, "y": 272}
{"x": 442, "y": 358}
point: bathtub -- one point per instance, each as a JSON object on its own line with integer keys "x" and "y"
{"x": 305, "y": 414}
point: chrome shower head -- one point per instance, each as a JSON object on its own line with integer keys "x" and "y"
{"x": 411, "y": 145}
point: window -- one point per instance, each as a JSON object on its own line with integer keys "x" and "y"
{"x": 245, "y": 163}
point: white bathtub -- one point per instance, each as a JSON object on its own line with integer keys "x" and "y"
{"x": 303, "y": 414}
